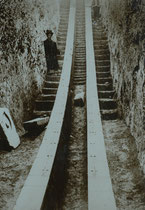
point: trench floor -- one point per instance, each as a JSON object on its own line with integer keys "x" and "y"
{"x": 75, "y": 191}
{"x": 14, "y": 169}
{"x": 127, "y": 178}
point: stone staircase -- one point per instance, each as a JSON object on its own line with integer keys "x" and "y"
{"x": 44, "y": 103}
{"x": 106, "y": 92}
{"x": 79, "y": 74}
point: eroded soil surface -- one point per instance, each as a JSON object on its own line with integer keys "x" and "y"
{"x": 14, "y": 168}
{"x": 127, "y": 179}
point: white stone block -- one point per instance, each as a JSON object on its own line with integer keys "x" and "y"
{"x": 8, "y": 133}
{"x": 79, "y": 99}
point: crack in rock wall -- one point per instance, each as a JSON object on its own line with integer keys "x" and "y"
{"x": 22, "y": 58}
{"x": 125, "y": 26}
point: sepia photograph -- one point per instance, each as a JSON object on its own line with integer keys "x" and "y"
{"x": 72, "y": 104}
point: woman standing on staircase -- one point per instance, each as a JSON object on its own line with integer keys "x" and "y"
{"x": 51, "y": 52}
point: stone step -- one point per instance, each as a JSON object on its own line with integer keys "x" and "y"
{"x": 61, "y": 43}
{"x": 61, "y": 47}
{"x": 60, "y": 63}
{"x": 80, "y": 63}
{"x": 102, "y": 62}
{"x": 80, "y": 51}
{"x": 105, "y": 87}
{"x": 80, "y": 58}
{"x": 106, "y": 94}
{"x": 79, "y": 73}
{"x": 64, "y": 17}
{"x": 101, "y": 46}
{"x": 101, "y": 51}
{"x": 51, "y": 84}
{"x": 60, "y": 57}
{"x": 79, "y": 83}
{"x": 111, "y": 114}
{"x": 62, "y": 34}
{"x": 64, "y": 14}
{"x": 103, "y": 42}
{"x": 81, "y": 47}
{"x": 104, "y": 80}
{"x": 80, "y": 44}
{"x": 41, "y": 113}
{"x": 99, "y": 37}
{"x": 79, "y": 78}
{"x": 102, "y": 68}
{"x": 61, "y": 38}
{"x": 102, "y": 57}
{"x": 54, "y": 73}
{"x": 52, "y": 78}
{"x": 49, "y": 90}
{"x": 102, "y": 74}
{"x": 79, "y": 69}
{"x": 62, "y": 30}
{"x": 41, "y": 105}
{"x": 45, "y": 97}
{"x": 107, "y": 103}
{"x": 63, "y": 27}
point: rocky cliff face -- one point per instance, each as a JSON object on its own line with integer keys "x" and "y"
{"x": 124, "y": 21}
{"x": 22, "y": 59}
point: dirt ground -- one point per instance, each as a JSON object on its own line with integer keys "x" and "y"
{"x": 14, "y": 168}
{"x": 127, "y": 178}
{"x": 75, "y": 192}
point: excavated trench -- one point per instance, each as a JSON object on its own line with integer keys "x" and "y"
{"x": 127, "y": 178}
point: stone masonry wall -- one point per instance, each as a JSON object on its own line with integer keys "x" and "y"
{"x": 125, "y": 26}
{"x": 22, "y": 59}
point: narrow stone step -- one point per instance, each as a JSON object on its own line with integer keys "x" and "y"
{"x": 60, "y": 57}
{"x": 44, "y": 97}
{"x": 80, "y": 59}
{"x": 62, "y": 30}
{"x": 52, "y": 78}
{"x": 80, "y": 64}
{"x": 107, "y": 103}
{"x": 103, "y": 74}
{"x": 79, "y": 83}
{"x": 62, "y": 38}
{"x": 79, "y": 79}
{"x": 83, "y": 76}
{"x": 102, "y": 57}
{"x": 80, "y": 69}
{"x": 101, "y": 51}
{"x": 111, "y": 114}
{"x": 106, "y": 94}
{"x": 101, "y": 46}
{"x": 61, "y": 42}
{"x": 78, "y": 74}
{"x": 49, "y": 90}
{"x": 62, "y": 34}
{"x": 103, "y": 68}
{"x": 41, "y": 105}
{"x": 103, "y": 42}
{"x": 103, "y": 62}
{"x": 62, "y": 47}
{"x": 104, "y": 80}
{"x": 105, "y": 87}
{"x": 41, "y": 113}
{"x": 51, "y": 84}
